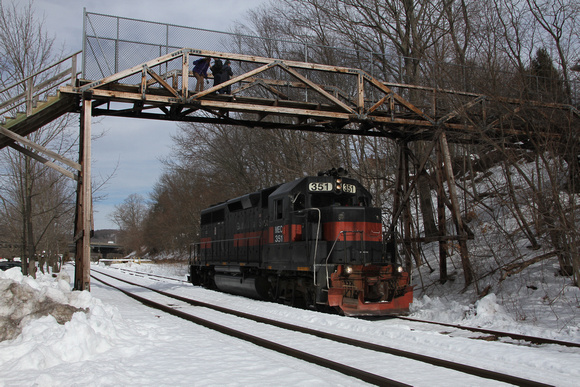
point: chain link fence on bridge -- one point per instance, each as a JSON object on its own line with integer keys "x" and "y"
{"x": 112, "y": 44}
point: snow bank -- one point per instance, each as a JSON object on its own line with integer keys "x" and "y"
{"x": 45, "y": 323}
{"x": 485, "y": 312}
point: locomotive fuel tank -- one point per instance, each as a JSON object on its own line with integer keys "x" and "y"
{"x": 251, "y": 287}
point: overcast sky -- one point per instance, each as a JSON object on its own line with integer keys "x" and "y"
{"x": 134, "y": 146}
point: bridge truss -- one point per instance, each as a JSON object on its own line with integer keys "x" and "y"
{"x": 278, "y": 94}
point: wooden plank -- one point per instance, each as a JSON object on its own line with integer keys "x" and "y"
{"x": 274, "y": 109}
{"x": 246, "y": 87}
{"x": 265, "y": 60}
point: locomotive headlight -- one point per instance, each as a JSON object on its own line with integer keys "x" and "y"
{"x": 348, "y": 269}
{"x": 338, "y": 184}
{"x": 400, "y": 269}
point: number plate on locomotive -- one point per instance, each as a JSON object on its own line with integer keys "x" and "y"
{"x": 320, "y": 187}
{"x": 349, "y": 188}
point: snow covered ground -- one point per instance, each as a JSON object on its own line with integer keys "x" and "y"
{"x": 121, "y": 342}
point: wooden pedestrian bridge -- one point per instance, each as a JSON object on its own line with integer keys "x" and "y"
{"x": 265, "y": 93}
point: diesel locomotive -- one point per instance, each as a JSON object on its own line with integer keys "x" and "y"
{"x": 315, "y": 242}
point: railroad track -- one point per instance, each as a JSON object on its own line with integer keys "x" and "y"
{"x": 150, "y": 275}
{"x": 495, "y": 334}
{"x": 355, "y": 372}
{"x": 492, "y": 333}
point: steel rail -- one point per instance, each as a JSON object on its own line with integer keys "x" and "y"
{"x": 476, "y": 371}
{"x": 515, "y": 336}
{"x": 141, "y": 273}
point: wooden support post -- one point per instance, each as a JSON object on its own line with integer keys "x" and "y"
{"x": 185, "y": 76}
{"x": 73, "y": 71}
{"x": 466, "y": 263}
{"x": 404, "y": 181}
{"x": 392, "y": 233}
{"x": 361, "y": 94}
{"x": 83, "y": 221}
{"x": 441, "y": 219}
{"x": 29, "y": 95}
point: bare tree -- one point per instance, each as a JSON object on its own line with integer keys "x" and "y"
{"x": 172, "y": 222}
{"x": 129, "y": 216}
{"x": 26, "y": 48}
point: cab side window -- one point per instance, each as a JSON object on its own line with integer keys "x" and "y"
{"x": 279, "y": 209}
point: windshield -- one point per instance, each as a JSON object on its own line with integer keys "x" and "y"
{"x": 330, "y": 199}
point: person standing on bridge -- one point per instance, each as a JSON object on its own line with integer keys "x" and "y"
{"x": 225, "y": 76}
{"x": 216, "y": 70}
{"x": 200, "y": 68}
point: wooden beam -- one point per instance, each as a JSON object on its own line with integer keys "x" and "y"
{"x": 360, "y": 94}
{"x": 41, "y": 159}
{"x": 144, "y": 83}
{"x": 319, "y": 89}
{"x": 398, "y": 98}
{"x": 83, "y": 226}
{"x": 272, "y": 90}
{"x": 265, "y": 60}
{"x": 379, "y": 103}
{"x": 456, "y": 112}
{"x": 121, "y": 96}
{"x": 39, "y": 148}
{"x": 185, "y": 76}
{"x": 441, "y": 220}
{"x": 162, "y": 82}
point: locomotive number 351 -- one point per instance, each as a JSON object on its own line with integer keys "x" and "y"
{"x": 320, "y": 187}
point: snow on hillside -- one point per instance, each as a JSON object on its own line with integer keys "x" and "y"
{"x": 537, "y": 299}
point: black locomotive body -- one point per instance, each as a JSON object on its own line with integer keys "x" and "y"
{"x": 313, "y": 242}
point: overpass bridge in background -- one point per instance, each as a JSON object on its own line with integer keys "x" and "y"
{"x": 271, "y": 93}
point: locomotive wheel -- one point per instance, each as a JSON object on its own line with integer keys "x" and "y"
{"x": 195, "y": 277}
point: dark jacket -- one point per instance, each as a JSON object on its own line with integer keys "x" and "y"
{"x": 225, "y": 76}
{"x": 216, "y": 70}
{"x": 226, "y": 73}
{"x": 200, "y": 66}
